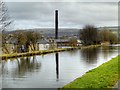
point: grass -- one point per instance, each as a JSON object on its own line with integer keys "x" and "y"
{"x": 104, "y": 76}
{"x": 15, "y": 55}
{"x": 41, "y": 52}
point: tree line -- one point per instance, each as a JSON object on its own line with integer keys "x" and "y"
{"x": 91, "y": 35}
{"x": 23, "y": 41}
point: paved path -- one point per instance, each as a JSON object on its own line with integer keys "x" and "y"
{"x": 117, "y": 86}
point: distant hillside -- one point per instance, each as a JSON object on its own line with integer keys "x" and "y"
{"x": 50, "y": 32}
{"x": 113, "y": 28}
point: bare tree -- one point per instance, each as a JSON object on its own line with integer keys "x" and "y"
{"x": 5, "y": 22}
{"x": 107, "y": 35}
{"x": 27, "y": 40}
{"x": 89, "y": 35}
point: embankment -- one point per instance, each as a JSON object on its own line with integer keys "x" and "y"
{"x": 41, "y": 52}
{"x": 104, "y": 76}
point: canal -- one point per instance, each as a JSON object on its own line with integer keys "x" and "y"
{"x": 53, "y": 70}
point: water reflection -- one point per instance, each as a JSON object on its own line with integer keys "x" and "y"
{"x": 89, "y": 54}
{"x": 106, "y": 51}
{"x": 53, "y": 70}
{"x": 110, "y": 48}
{"x": 23, "y": 66}
{"x": 72, "y": 52}
{"x": 0, "y": 68}
{"x": 28, "y": 64}
{"x": 57, "y": 65}
{"x": 0, "y": 74}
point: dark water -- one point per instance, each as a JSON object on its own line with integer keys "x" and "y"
{"x": 53, "y": 70}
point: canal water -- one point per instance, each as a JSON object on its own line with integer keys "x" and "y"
{"x": 53, "y": 70}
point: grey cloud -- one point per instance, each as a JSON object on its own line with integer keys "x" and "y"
{"x": 62, "y": 0}
{"x": 70, "y": 13}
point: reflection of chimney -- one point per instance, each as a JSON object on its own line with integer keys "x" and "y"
{"x": 56, "y": 24}
{"x": 57, "y": 65}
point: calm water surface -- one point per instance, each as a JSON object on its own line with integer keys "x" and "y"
{"x": 53, "y": 70}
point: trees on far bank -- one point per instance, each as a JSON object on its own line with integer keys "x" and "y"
{"x": 21, "y": 41}
{"x": 107, "y": 35}
{"x": 26, "y": 40}
{"x": 90, "y": 35}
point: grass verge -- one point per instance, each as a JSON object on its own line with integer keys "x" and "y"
{"x": 41, "y": 52}
{"x": 104, "y": 76}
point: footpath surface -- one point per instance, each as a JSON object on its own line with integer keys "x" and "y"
{"x": 117, "y": 86}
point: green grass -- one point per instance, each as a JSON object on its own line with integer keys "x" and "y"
{"x": 41, "y": 52}
{"x": 104, "y": 76}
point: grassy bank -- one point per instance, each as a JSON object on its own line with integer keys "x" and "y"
{"x": 105, "y": 76}
{"x": 41, "y": 52}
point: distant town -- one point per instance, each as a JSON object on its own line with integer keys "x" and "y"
{"x": 49, "y": 32}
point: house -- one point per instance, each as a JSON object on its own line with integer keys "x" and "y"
{"x": 68, "y": 42}
{"x": 62, "y": 42}
{"x": 43, "y": 44}
{"x": 79, "y": 42}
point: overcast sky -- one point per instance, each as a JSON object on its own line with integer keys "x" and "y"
{"x": 71, "y": 14}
